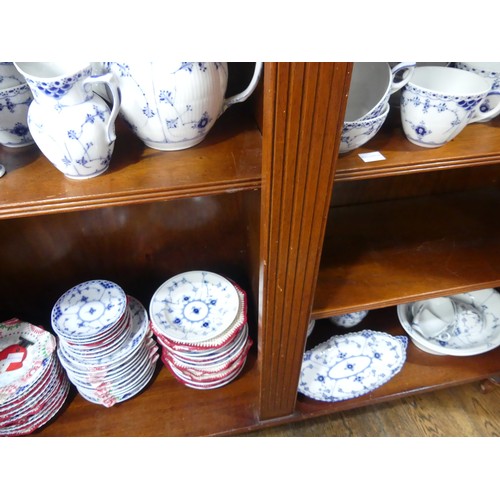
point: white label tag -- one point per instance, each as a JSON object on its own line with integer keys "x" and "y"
{"x": 373, "y": 156}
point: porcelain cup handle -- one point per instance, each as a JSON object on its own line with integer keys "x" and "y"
{"x": 111, "y": 82}
{"x": 243, "y": 96}
{"x": 478, "y": 115}
{"x": 409, "y": 67}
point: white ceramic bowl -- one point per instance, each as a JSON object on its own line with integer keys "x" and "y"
{"x": 357, "y": 133}
{"x": 477, "y": 326}
{"x": 372, "y": 84}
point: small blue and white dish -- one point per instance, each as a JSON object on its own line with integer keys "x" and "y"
{"x": 349, "y": 320}
{"x": 88, "y": 309}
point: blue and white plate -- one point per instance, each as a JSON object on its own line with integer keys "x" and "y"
{"x": 194, "y": 306}
{"x": 348, "y": 366}
{"x": 88, "y": 309}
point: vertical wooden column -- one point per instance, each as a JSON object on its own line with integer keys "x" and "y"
{"x": 304, "y": 105}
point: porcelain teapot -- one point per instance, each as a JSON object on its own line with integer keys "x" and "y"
{"x": 173, "y": 105}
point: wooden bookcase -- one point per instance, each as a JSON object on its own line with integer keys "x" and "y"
{"x": 266, "y": 201}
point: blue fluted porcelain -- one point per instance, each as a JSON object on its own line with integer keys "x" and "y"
{"x": 173, "y": 105}
{"x": 439, "y": 102}
{"x": 10, "y": 76}
{"x": 491, "y": 71}
{"x": 88, "y": 309}
{"x": 195, "y": 306}
{"x": 348, "y": 366}
{"x": 350, "y": 319}
{"x": 475, "y": 328}
{"x": 357, "y": 133}
{"x": 73, "y": 127}
{"x": 14, "y": 105}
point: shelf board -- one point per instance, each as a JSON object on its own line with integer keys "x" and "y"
{"x": 165, "y": 408}
{"x": 381, "y": 254}
{"x": 421, "y": 372}
{"x": 478, "y": 144}
{"x": 229, "y": 159}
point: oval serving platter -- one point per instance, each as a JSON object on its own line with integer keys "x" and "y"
{"x": 348, "y": 366}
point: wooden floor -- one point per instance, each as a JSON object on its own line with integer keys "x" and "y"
{"x": 456, "y": 412}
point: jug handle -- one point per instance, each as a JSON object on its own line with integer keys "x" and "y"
{"x": 109, "y": 79}
{"x": 245, "y": 94}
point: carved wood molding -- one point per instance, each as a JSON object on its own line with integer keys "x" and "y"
{"x": 304, "y": 105}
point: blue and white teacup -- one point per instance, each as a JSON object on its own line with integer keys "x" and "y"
{"x": 439, "y": 102}
{"x": 491, "y": 71}
{"x": 357, "y": 133}
{"x": 14, "y": 105}
{"x": 371, "y": 86}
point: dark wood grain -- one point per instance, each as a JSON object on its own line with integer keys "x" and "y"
{"x": 385, "y": 253}
{"x": 476, "y": 145}
{"x": 228, "y": 159}
{"x": 266, "y": 201}
{"x": 302, "y": 121}
{"x": 458, "y": 411}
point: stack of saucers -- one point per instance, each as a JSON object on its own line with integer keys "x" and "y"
{"x": 200, "y": 320}
{"x": 33, "y": 385}
{"x": 105, "y": 342}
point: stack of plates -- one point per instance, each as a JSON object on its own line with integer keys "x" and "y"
{"x": 33, "y": 385}
{"x": 105, "y": 343}
{"x": 200, "y": 320}
{"x": 474, "y": 326}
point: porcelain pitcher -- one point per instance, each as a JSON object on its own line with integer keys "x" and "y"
{"x": 73, "y": 127}
{"x": 173, "y": 105}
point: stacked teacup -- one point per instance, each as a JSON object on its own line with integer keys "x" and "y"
{"x": 15, "y": 98}
{"x": 200, "y": 320}
{"x": 105, "y": 343}
{"x": 372, "y": 84}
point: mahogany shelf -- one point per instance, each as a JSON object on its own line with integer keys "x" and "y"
{"x": 375, "y": 254}
{"x": 165, "y": 408}
{"x": 478, "y": 144}
{"x": 228, "y": 160}
{"x": 386, "y": 253}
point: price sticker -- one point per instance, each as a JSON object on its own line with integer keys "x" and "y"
{"x": 373, "y": 156}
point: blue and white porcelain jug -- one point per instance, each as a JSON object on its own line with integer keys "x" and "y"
{"x": 173, "y": 105}
{"x": 73, "y": 127}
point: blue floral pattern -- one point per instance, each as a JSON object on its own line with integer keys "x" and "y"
{"x": 14, "y": 106}
{"x": 476, "y": 329}
{"x": 195, "y": 306}
{"x": 432, "y": 119}
{"x": 73, "y": 126}
{"x": 348, "y": 366}
{"x": 171, "y": 118}
{"x": 489, "y": 101}
{"x": 173, "y": 105}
